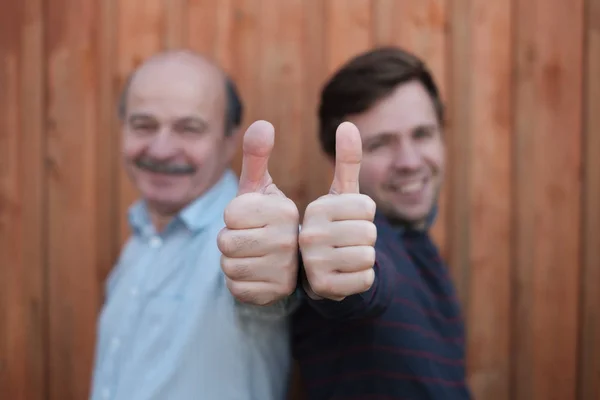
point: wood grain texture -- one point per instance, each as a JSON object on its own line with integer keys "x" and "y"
{"x": 548, "y": 114}
{"x": 589, "y": 347}
{"x": 23, "y": 309}
{"x": 490, "y": 198}
{"x": 519, "y": 222}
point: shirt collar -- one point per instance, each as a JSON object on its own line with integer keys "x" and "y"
{"x": 196, "y": 215}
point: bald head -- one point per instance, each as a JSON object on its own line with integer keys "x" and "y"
{"x": 184, "y": 71}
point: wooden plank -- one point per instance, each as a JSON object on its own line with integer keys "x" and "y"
{"x": 422, "y": 31}
{"x": 489, "y": 199}
{"x": 549, "y": 40}
{"x": 176, "y": 23}
{"x": 142, "y": 27}
{"x": 22, "y": 290}
{"x": 107, "y": 143}
{"x": 348, "y": 31}
{"x": 459, "y": 146}
{"x": 210, "y": 26}
{"x": 589, "y": 350}
{"x": 72, "y": 137}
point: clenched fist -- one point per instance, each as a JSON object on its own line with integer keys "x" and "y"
{"x": 259, "y": 243}
{"x": 338, "y": 234}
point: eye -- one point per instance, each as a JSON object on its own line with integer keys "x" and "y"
{"x": 378, "y": 142}
{"x": 190, "y": 129}
{"x": 424, "y": 132}
{"x": 144, "y": 128}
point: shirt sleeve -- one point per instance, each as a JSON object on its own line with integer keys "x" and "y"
{"x": 369, "y": 304}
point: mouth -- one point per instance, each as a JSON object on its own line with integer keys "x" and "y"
{"x": 164, "y": 168}
{"x": 410, "y": 191}
{"x": 411, "y": 187}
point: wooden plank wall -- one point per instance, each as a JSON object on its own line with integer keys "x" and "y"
{"x": 520, "y": 220}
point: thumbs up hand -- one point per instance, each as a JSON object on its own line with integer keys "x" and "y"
{"x": 338, "y": 234}
{"x": 259, "y": 243}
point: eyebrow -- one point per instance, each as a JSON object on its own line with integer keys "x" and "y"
{"x": 201, "y": 123}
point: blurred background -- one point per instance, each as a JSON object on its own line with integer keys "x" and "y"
{"x": 520, "y": 220}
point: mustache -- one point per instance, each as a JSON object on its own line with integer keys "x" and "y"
{"x": 164, "y": 167}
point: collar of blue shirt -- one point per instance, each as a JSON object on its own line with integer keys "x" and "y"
{"x": 194, "y": 216}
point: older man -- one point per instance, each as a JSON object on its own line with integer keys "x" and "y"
{"x": 381, "y": 318}
{"x": 179, "y": 322}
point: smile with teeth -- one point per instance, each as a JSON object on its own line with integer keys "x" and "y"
{"x": 412, "y": 187}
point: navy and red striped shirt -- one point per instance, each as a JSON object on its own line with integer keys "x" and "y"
{"x": 402, "y": 339}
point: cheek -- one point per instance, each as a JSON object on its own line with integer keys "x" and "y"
{"x": 372, "y": 174}
{"x": 132, "y": 148}
{"x": 434, "y": 156}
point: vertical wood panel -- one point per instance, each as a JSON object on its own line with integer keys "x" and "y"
{"x": 349, "y": 31}
{"x": 548, "y": 136}
{"x": 209, "y": 30}
{"x": 589, "y": 349}
{"x": 489, "y": 202}
{"x": 22, "y": 228}
{"x": 107, "y": 161}
{"x": 458, "y": 145}
{"x": 73, "y": 186}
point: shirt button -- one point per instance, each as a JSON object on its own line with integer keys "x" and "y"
{"x": 155, "y": 242}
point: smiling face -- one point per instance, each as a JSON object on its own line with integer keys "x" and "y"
{"x": 174, "y": 143}
{"x": 403, "y": 154}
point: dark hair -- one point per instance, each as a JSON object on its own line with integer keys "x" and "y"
{"x": 363, "y": 81}
{"x": 234, "y": 110}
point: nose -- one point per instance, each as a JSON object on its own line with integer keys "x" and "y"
{"x": 164, "y": 146}
{"x": 407, "y": 157}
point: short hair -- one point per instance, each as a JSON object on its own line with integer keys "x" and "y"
{"x": 234, "y": 107}
{"x": 363, "y": 81}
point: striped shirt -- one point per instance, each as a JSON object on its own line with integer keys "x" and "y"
{"x": 402, "y": 339}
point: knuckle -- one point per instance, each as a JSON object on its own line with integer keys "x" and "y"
{"x": 322, "y": 285}
{"x": 368, "y": 206}
{"x": 289, "y": 211}
{"x": 226, "y": 265}
{"x": 312, "y": 262}
{"x": 309, "y": 237}
{"x": 286, "y": 288}
{"x": 368, "y": 279}
{"x": 288, "y": 242}
{"x": 231, "y": 214}
{"x": 370, "y": 231}
{"x": 316, "y": 207}
{"x": 369, "y": 256}
{"x": 235, "y": 269}
{"x": 224, "y": 242}
{"x": 240, "y": 292}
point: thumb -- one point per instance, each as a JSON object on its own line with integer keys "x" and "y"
{"x": 348, "y": 155}
{"x": 257, "y": 145}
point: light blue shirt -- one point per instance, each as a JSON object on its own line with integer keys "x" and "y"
{"x": 170, "y": 329}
